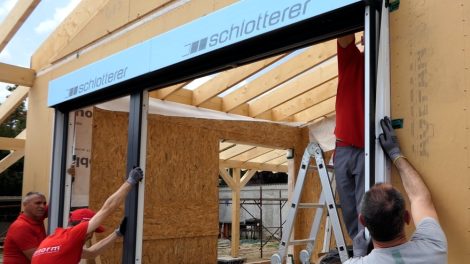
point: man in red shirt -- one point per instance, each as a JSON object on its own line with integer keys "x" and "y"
{"x": 349, "y": 132}
{"x": 66, "y": 245}
{"x": 27, "y": 231}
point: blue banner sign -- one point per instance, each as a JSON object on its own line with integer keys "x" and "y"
{"x": 235, "y": 23}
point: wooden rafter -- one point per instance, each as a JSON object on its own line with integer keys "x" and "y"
{"x": 304, "y": 101}
{"x": 15, "y": 20}
{"x": 14, "y": 155}
{"x": 167, "y": 91}
{"x": 17, "y": 75}
{"x": 319, "y": 110}
{"x": 227, "y": 79}
{"x": 251, "y": 154}
{"x": 11, "y": 143}
{"x": 252, "y": 166}
{"x": 234, "y": 151}
{"x": 269, "y": 156}
{"x": 280, "y": 74}
{"x": 296, "y": 87}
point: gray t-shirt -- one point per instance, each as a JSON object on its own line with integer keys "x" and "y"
{"x": 428, "y": 245}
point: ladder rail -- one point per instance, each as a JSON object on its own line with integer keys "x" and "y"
{"x": 331, "y": 205}
{"x": 298, "y": 188}
{"x": 327, "y": 199}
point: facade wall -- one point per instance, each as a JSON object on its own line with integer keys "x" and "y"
{"x": 181, "y": 207}
{"x": 430, "y": 59}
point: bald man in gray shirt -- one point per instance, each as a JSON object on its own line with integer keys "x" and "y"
{"x": 383, "y": 213}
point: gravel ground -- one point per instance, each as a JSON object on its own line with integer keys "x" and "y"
{"x": 249, "y": 249}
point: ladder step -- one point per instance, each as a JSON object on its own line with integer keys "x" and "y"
{"x": 302, "y": 241}
{"x": 310, "y": 205}
{"x": 328, "y": 167}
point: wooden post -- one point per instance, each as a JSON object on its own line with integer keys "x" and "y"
{"x": 236, "y": 213}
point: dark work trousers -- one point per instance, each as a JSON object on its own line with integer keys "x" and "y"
{"x": 349, "y": 174}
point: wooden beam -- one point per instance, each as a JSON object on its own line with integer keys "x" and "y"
{"x": 246, "y": 178}
{"x": 251, "y": 154}
{"x": 14, "y": 155}
{"x": 15, "y": 20}
{"x": 295, "y": 87}
{"x": 16, "y": 75}
{"x": 304, "y": 101}
{"x": 12, "y": 102}
{"x": 234, "y": 151}
{"x": 252, "y": 166}
{"x": 11, "y": 159}
{"x": 225, "y": 145}
{"x": 229, "y": 78}
{"x": 278, "y": 161}
{"x": 235, "y": 245}
{"x": 280, "y": 74}
{"x": 269, "y": 156}
{"x": 11, "y": 143}
{"x": 163, "y": 93}
{"x": 228, "y": 180}
{"x": 319, "y": 110}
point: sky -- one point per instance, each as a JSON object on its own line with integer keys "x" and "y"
{"x": 39, "y": 25}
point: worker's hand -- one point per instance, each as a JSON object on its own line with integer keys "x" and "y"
{"x": 71, "y": 169}
{"x": 360, "y": 244}
{"x": 388, "y": 139}
{"x": 121, "y": 230}
{"x": 135, "y": 175}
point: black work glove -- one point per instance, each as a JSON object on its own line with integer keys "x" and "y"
{"x": 121, "y": 230}
{"x": 388, "y": 139}
{"x": 360, "y": 244}
{"x": 135, "y": 175}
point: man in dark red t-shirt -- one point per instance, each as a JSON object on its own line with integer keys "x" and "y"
{"x": 349, "y": 132}
{"x": 66, "y": 245}
{"x": 27, "y": 231}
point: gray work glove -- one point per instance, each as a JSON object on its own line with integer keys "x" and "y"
{"x": 121, "y": 230}
{"x": 135, "y": 175}
{"x": 360, "y": 244}
{"x": 388, "y": 139}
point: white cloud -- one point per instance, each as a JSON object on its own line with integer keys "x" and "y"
{"x": 60, "y": 14}
{"x": 5, "y": 7}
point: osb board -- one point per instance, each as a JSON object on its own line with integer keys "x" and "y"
{"x": 256, "y": 133}
{"x": 195, "y": 250}
{"x": 429, "y": 70}
{"x": 181, "y": 188}
{"x": 108, "y": 170}
{"x": 181, "y": 194}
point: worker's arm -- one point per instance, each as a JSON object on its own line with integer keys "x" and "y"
{"x": 419, "y": 195}
{"x": 346, "y": 40}
{"x": 29, "y": 252}
{"x": 96, "y": 249}
{"x": 135, "y": 175}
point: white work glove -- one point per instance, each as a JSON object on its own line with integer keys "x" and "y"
{"x": 360, "y": 244}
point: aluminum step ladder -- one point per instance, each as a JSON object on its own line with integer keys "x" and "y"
{"x": 327, "y": 199}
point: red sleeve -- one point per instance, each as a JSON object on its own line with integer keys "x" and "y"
{"x": 79, "y": 231}
{"x": 348, "y": 55}
{"x": 24, "y": 237}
